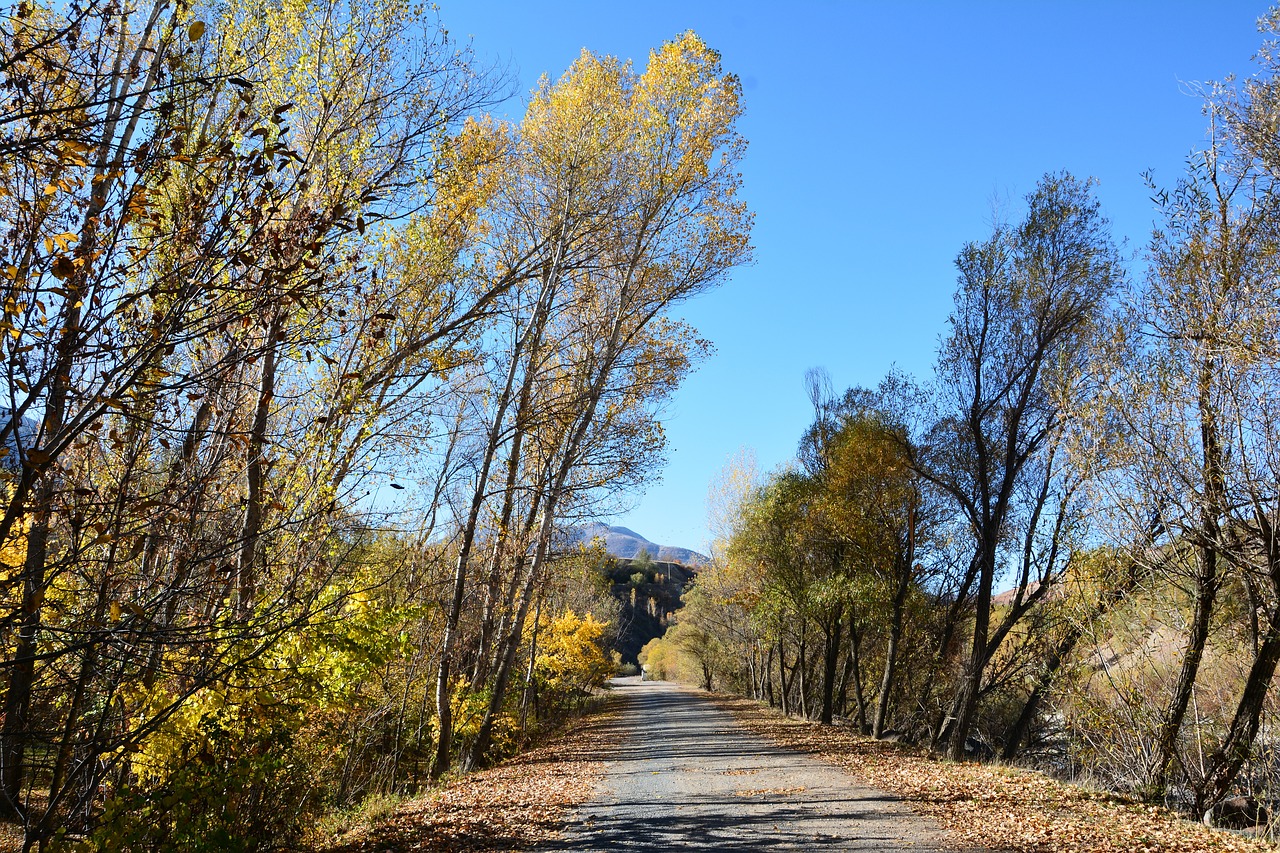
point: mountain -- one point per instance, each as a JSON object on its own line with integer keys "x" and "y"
{"x": 627, "y": 544}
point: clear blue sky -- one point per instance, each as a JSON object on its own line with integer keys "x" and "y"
{"x": 882, "y": 137}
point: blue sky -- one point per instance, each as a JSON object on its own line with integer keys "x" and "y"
{"x": 882, "y": 137}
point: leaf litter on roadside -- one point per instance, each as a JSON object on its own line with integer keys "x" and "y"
{"x": 991, "y": 806}
{"x": 516, "y": 805}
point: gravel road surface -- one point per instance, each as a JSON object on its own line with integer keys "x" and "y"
{"x": 685, "y": 776}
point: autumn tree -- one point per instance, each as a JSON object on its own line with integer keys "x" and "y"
{"x": 1197, "y": 355}
{"x": 1028, "y": 300}
{"x": 656, "y": 156}
{"x": 206, "y": 188}
{"x": 877, "y": 507}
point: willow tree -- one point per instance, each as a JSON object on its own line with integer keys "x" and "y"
{"x": 1029, "y": 299}
{"x": 1189, "y": 393}
{"x": 1235, "y": 221}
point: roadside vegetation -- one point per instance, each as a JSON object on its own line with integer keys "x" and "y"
{"x": 310, "y": 362}
{"x": 307, "y": 360}
{"x": 1060, "y": 549}
{"x": 519, "y": 804}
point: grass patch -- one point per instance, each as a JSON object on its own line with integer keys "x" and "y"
{"x": 375, "y": 810}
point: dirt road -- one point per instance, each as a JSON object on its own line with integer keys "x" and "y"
{"x": 685, "y": 776}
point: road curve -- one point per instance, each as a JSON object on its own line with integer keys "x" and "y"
{"x": 684, "y": 775}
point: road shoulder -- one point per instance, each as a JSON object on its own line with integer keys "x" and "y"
{"x": 520, "y": 804}
{"x": 987, "y": 806}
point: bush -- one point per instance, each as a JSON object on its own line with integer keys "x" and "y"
{"x": 246, "y": 790}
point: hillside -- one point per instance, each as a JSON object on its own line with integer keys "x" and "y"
{"x": 627, "y": 544}
{"x": 646, "y": 578}
{"x": 649, "y": 591}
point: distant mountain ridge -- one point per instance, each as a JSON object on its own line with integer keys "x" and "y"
{"x": 627, "y": 544}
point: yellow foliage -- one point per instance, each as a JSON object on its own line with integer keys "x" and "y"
{"x": 571, "y": 656}
{"x": 13, "y": 553}
{"x": 676, "y": 656}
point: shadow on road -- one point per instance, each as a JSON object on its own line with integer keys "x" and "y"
{"x": 684, "y": 776}
{"x": 779, "y": 829}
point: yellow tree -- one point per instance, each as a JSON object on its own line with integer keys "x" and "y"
{"x": 874, "y": 503}
{"x": 661, "y": 184}
{"x": 197, "y": 197}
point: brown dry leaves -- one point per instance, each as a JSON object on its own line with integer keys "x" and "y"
{"x": 989, "y": 806}
{"x": 513, "y": 806}
{"x": 769, "y": 792}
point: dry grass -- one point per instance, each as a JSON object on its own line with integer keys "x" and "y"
{"x": 514, "y": 806}
{"x": 995, "y": 807}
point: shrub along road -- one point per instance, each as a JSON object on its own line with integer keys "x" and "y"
{"x": 684, "y": 775}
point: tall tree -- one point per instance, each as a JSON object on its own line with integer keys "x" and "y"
{"x": 1029, "y": 298}
{"x": 1199, "y": 353}
{"x": 206, "y": 183}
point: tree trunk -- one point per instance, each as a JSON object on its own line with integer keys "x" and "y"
{"x": 846, "y": 674}
{"x": 833, "y": 636}
{"x": 510, "y": 645}
{"x": 802, "y": 666}
{"x": 487, "y": 622}
{"x": 533, "y": 657}
{"x": 17, "y": 706}
{"x": 1225, "y": 761}
{"x": 768, "y": 678}
{"x": 784, "y": 682}
{"x": 967, "y": 705}
{"x": 895, "y": 628}
{"x": 1207, "y": 584}
{"x": 855, "y": 643}
{"x": 256, "y": 472}
{"x": 946, "y": 640}
{"x": 444, "y": 697}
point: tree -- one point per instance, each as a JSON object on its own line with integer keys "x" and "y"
{"x": 636, "y": 211}
{"x": 778, "y": 541}
{"x": 1197, "y": 354}
{"x": 205, "y": 191}
{"x": 877, "y": 508}
{"x": 1029, "y": 299}
{"x": 261, "y": 261}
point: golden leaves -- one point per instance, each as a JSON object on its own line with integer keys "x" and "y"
{"x": 770, "y": 792}
{"x": 63, "y": 241}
